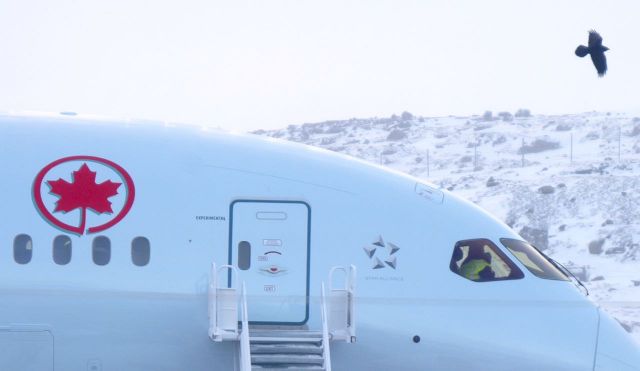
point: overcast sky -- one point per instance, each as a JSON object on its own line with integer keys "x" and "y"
{"x": 246, "y": 65}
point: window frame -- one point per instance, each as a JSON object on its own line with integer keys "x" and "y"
{"x": 543, "y": 255}
{"x": 515, "y": 274}
{"x": 148, "y": 244}
{"x": 94, "y": 248}
{"x": 53, "y": 249}
{"x": 15, "y": 247}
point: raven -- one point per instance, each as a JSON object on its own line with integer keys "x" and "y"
{"x": 596, "y": 49}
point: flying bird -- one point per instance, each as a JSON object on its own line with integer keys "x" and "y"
{"x": 596, "y": 49}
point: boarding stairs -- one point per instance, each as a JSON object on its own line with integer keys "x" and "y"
{"x": 281, "y": 348}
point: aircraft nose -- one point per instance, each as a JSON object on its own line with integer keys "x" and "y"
{"x": 616, "y": 350}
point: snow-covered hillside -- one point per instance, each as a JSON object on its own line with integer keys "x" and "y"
{"x": 567, "y": 183}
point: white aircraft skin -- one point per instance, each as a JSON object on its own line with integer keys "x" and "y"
{"x": 190, "y": 183}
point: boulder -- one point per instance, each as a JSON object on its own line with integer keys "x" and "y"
{"x": 595, "y": 247}
{"x": 537, "y": 237}
{"x": 397, "y": 135}
{"x": 491, "y": 182}
{"x": 546, "y": 190}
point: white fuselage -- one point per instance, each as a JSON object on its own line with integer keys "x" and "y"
{"x": 198, "y": 194}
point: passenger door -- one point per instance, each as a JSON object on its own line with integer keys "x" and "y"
{"x": 269, "y": 245}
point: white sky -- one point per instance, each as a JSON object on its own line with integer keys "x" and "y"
{"x": 246, "y": 65}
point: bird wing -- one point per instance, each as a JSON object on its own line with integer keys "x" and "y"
{"x": 600, "y": 62}
{"x": 581, "y": 51}
{"x": 594, "y": 39}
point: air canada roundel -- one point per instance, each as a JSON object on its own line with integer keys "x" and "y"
{"x": 83, "y": 194}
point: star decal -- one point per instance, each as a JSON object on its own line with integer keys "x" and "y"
{"x": 378, "y": 245}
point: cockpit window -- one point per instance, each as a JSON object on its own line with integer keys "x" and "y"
{"x": 481, "y": 261}
{"x": 533, "y": 260}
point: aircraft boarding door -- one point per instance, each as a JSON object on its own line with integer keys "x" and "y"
{"x": 269, "y": 244}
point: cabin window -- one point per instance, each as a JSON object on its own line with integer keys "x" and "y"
{"x": 480, "y": 260}
{"x": 22, "y": 249}
{"x": 534, "y": 260}
{"x": 101, "y": 250}
{"x": 140, "y": 251}
{"x": 62, "y": 250}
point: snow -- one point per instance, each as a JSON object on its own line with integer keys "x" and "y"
{"x": 575, "y": 183}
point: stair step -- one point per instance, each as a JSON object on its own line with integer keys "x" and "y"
{"x": 285, "y": 333}
{"x": 287, "y": 348}
{"x": 288, "y": 360}
{"x": 272, "y": 340}
{"x": 285, "y": 368}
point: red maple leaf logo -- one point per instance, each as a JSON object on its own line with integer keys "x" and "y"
{"x": 83, "y": 193}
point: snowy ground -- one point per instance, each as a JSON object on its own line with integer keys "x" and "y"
{"x": 567, "y": 183}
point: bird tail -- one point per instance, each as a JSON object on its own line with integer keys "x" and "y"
{"x": 581, "y": 51}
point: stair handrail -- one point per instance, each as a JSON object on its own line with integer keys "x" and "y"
{"x": 326, "y": 349}
{"x": 352, "y": 303}
{"x": 348, "y": 333}
{"x": 212, "y": 298}
{"x": 215, "y": 332}
{"x": 245, "y": 346}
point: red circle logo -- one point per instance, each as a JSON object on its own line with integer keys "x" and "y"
{"x": 84, "y": 188}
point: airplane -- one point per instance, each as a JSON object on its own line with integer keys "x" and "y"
{"x": 129, "y": 245}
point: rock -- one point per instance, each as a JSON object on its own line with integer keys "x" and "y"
{"x": 406, "y": 116}
{"x": 465, "y": 159}
{"x": 636, "y": 283}
{"x": 584, "y": 171}
{"x": 539, "y": 145}
{"x": 418, "y": 160}
{"x": 562, "y": 185}
{"x": 389, "y": 151}
{"x": 546, "y": 190}
{"x": 499, "y": 140}
{"x": 397, "y": 135}
{"x": 607, "y": 222}
{"x": 562, "y": 228}
{"x": 334, "y": 129}
{"x": 593, "y": 136}
{"x": 537, "y": 237}
{"x": 404, "y": 125}
{"x": 635, "y": 131}
{"x": 563, "y": 127}
{"x": 598, "y": 278}
{"x": 491, "y": 182}
{"x": 505, "y": 116}
{"x": 327, "y": 141}
{"x": 615, "y": 250}
{"x": 595, "y": 247}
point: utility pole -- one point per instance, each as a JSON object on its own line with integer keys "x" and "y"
{"x": 619, "y": 141}
{"x": 475, "y": 155}
{"x": 522, "y": 151}
{"x": 427, "y": 163}
{"x": 571, "y": 151}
